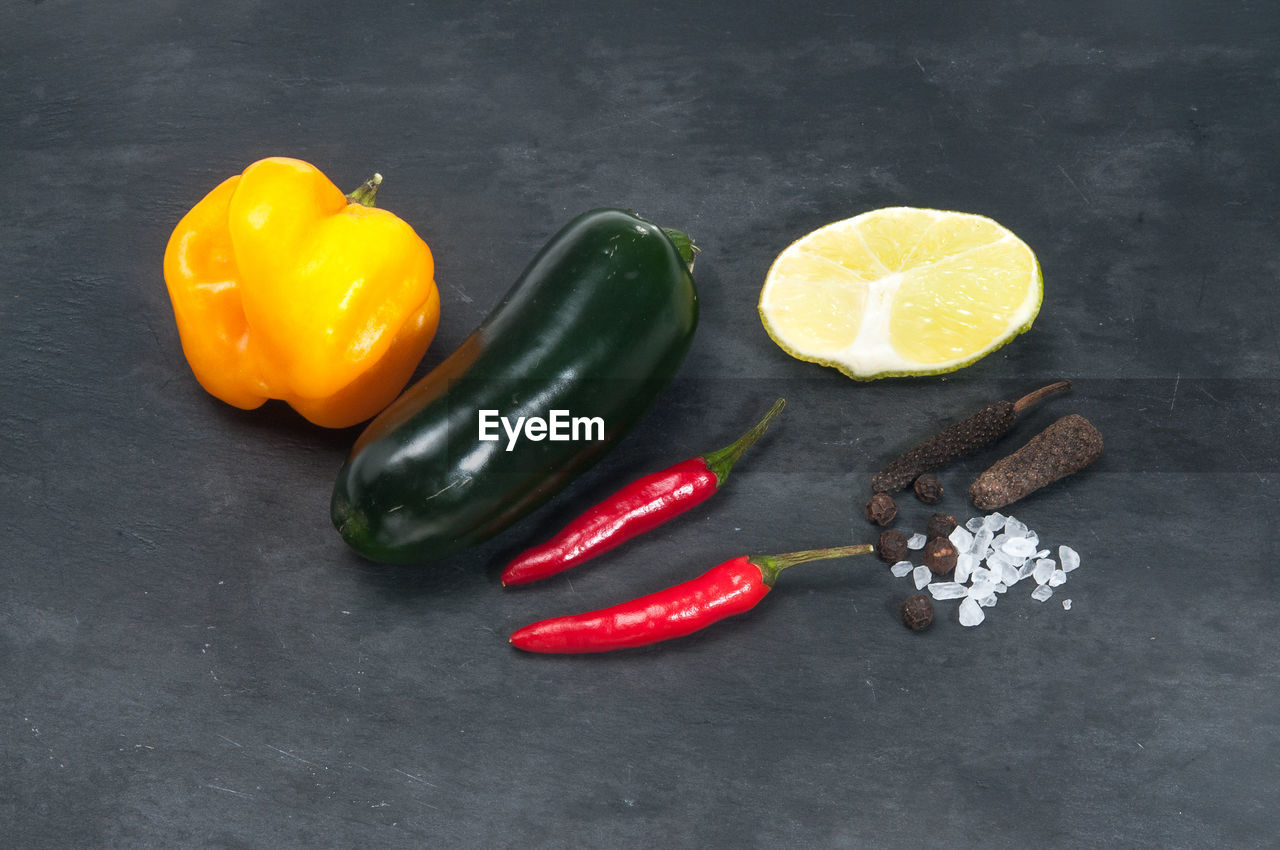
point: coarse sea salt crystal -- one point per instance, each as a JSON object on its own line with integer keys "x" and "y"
{"x": 947, "y": 590}
{"x": 971, "y": 612}
{"x": 1009, "y": 575}
{"x": 994, "y": 552}
{"x": 982, "y": 574}
{"x": 961, "y": 539}
{"x": 982, "y": 541}
{"x": 980, "y": 588}
{"x": 1019, "y": 547}
{"x": 999, "y": 560}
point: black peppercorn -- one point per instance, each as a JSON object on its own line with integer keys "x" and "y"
{"x": 917, "y": 612}
{"x": 940, "y": 556}
{"x": 928, "y": 488}
{"x": 881, "y": 509}
{"x": 940, "y": 525}
{"x": 892, "y": 547}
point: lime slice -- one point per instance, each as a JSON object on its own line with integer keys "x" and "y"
{"x": 901, "y": 291}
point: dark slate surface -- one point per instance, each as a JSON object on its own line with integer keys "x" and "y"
{"x": 191, "y": 657}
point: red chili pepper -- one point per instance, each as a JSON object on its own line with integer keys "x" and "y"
{"x": 638, "y": 507}
{"x": 731, "y": 588}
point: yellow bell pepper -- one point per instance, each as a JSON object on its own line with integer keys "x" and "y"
{"x": 283, "y": 287}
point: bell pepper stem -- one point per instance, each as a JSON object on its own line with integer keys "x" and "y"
{"x": 367, "y": 194}
{"x": 771, "y": 565}
{"x": 722, "y": 460}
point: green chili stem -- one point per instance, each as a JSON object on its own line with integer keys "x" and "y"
{"x": 722, "y": 460}
{"x": 771, "y": 565}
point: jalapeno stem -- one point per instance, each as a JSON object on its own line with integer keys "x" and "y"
{"x": 688, "y": 251}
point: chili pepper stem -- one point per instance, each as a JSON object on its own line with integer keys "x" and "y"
{"x": 367, "y": 193}
{"x": 771, "y": 565}
{"x": 1039, "y": 395}
{"x": 722, "y": 460}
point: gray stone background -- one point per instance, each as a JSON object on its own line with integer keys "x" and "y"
{"x": 189, "y": 656}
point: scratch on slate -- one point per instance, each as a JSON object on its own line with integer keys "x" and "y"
{"x": 290, "y": 755}
{"x": 230, "y": 791}
{"x": 414, "y": 778}
{"x": 146, "y": 541}
{"x": 1204, "y": 286}
{"x": 1082, "y": 195}
{"x": 1174, "y": 400}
